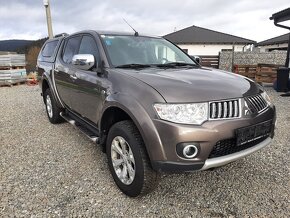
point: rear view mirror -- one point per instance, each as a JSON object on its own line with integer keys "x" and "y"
{"x": 196, "y": 58}
{"x": 83, "y": 61}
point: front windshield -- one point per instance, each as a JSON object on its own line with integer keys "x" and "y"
{"x": 139, "y": 50}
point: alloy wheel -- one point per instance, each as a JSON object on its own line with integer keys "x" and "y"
{"x": 123, "y": 160}
{"x": 49, "y": 106}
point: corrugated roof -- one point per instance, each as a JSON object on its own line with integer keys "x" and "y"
{"x": 199, "y": 35}
{"x": 276, "y": 40}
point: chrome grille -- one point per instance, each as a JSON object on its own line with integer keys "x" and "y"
{"x": 256, "y": 103}
{"x": 225, "y": 109}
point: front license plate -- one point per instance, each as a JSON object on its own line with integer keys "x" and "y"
{"x": 251, "y": 133}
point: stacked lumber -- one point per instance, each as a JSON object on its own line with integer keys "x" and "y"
{"x": 261, "y": 73}
{"x": 246, "y": 70}
{"x": 266, "y": 73}
{"x": 12, "y": 68}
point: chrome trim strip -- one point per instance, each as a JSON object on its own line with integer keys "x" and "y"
{"x": 213, "y": 110}
{"x": 230, "y": 108}
{"x": 220, "y": 161}
{"x": 263, "y": 102}
{"x": 219, "y": 110}
{"x": 225, "y": 109}
{"x": 253, "y": 104}
{"x": 257, "y": 102}
{"x": 236, "y": 114}
{"x": 260, "y": 106}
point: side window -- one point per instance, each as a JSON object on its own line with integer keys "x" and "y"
{"x": 89, "y": 46}
{"x": 49, "y": 48}
{"x": 71, "y": 48}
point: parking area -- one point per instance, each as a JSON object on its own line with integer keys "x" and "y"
{"x": 54, "y": 170}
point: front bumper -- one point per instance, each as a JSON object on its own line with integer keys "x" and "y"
{"x": 175, "y": 167}
{"x": 220, "y": 161}
{"x": 207, "y": 136}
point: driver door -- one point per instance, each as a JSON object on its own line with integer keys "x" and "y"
{"x": 90, "y": 87}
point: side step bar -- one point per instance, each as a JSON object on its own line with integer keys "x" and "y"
{"x": 82, "y": 128}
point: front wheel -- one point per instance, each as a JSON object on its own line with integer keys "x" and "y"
{"x": 128, "y": 160}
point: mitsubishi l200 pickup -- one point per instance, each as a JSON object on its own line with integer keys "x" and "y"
{"x": 151, "y": 106}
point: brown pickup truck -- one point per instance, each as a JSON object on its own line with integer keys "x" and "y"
{"x": 150, "y": 106}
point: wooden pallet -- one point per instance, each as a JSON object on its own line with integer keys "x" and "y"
{"x": 246, "y": 70}
{"x": 12, "y": 67}
{"x": 12, "y": 84}
{"x": 266, "y": 73}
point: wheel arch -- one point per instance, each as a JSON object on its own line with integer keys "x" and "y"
{"x": 44, "y": 86}
{"x": 141, "y": 120}
{"x": 47, "y": 83}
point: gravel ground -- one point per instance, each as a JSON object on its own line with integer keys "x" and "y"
{"x": 54, "y": 170}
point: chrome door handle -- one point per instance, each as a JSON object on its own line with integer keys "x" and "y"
{"x": 73, "y": 76}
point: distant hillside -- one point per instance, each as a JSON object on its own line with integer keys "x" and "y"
{"x": 14, "y": 44}
{"x": 37, "y": 43}
{"x": 28, "y": 47}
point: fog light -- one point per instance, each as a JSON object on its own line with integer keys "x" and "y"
{"x": 190, "y": 151}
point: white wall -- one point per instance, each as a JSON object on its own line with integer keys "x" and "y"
{"x": 208, "y": 49}
{"x": 267, "y": 47}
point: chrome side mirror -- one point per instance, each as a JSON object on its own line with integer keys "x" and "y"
{"x": 83, "y": 61}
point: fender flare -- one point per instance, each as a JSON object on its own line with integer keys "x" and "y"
{"x": 143, "y": 122}
{"x": 46, "y": 77}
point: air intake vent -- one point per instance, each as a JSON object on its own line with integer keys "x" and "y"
{"x": 256, "y": 103}
{"x": 229, "y": 146}
{"x": 225, "y": 109}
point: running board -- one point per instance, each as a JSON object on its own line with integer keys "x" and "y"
{"x": 82, "y": 128}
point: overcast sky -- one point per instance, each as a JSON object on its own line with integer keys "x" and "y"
{"x": 25, "y": 19}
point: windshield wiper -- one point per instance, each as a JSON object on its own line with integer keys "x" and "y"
{"x": 176, "y": 64}
{"x": 133, "y": 66}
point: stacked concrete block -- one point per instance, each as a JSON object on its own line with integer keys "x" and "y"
{"x": 12, "y": 68}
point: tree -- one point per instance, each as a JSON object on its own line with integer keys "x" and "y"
{"x": 31, "y": 58}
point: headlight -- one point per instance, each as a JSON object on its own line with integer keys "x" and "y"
{"x": 266, "y": 97}
{"x": 195, "y": 113}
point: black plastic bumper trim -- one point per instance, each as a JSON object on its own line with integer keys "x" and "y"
{"x": 176, "y": 167}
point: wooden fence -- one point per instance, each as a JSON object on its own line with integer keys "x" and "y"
{"x": 210, "y": 61}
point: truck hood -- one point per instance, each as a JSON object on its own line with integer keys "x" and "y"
{"x": 195, "y": 84}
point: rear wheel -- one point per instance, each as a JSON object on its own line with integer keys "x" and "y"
{"x": 128, "y": 160}
{"x": 52, "y": 110}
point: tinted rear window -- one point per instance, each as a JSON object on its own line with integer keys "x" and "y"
{"x": 49, "y": 48}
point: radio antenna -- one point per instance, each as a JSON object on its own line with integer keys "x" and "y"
{"x": 136, "y": 33}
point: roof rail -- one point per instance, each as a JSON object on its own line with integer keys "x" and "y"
{"x": 61, "y": 34}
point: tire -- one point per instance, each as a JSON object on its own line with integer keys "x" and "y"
{"x": 145, "y": 179}
{"x": 52, "y": 110}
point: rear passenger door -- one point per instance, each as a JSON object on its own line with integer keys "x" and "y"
{"x": 65, "y": 72}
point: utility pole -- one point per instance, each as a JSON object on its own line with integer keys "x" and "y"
{"x": 48, "y": 18}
